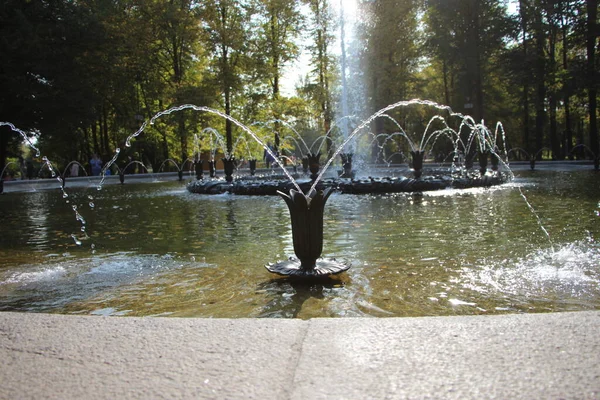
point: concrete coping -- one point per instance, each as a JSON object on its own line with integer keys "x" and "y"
{"x": 516, "y": 356}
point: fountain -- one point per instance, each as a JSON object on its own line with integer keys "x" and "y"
{"x": 347, "y": 171}
{"x": 306, "y": 200}
{"x": 402, "y": 235}
{"x": 306, "y": 212}
{"x": 180, "y": 168}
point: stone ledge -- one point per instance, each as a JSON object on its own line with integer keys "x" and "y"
{"x": 506, "y": 356}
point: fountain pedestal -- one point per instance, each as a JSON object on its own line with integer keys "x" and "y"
{"x": 306, "y": 213}
{"x": 305, "y": 165}
{"x": 483, "y": 161}
{"x": 347, "y": 165}
{"x": 495, "y": 160}
{"x": 228, "y": 166}
{"x": 314, "y": 165}
{"x": 199, "y": 170}
{"x": 417, "y": 162}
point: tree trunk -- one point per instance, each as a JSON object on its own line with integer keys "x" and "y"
{"x": 182, "y": 137}
{"x": 5, "y": 133}
{"x": 104, "y": 138}
{"x": 568, "y": 136}
{"x": 446, "y": 88}
{"x": 540, "y": 99}
{"x": 592, "y": 34}
{"x": 95, "y": 137}
{"x": 228, "y": 124}
{"x": 554, "y": 143}
{"x": 479, "y": 113}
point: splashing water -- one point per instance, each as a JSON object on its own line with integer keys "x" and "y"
{"x": 572, "y": 270}
{"x": 48, "y": 164}
{"x": 196, "y": 108}
{"x": 24, "y": 135}
{"x": 539, "y": 220}
{"x": 465, "y": 120}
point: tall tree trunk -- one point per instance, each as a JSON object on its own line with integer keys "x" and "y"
{"x": 554, "y": 143}
{"x": 479, "y": 113}
{"x": 592, "y": 35}
{"x": 540, "y": 68}
{"x": 182, "y": 136}
{"x": 523, "y": 4}
{"x": 275, "y": 77}
{"x": 5, "y": 133}
{"x": 104, "y": 138}
{"x": 228, "y": 124}
{"x": 96, "y": 148}
{"x": 83, "y": 148}
{"x": 445, "y": 76}
{"x": 568, "y": 137}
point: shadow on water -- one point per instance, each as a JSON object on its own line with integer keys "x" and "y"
{"x": 289, "y": 294}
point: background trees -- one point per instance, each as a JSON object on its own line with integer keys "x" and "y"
{"x": 87, "y": 73}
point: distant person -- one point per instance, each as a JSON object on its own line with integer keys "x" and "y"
{"x": 267, "y": 156}
{"x": 74, "y": 170}
{"x": 96, "y": 164}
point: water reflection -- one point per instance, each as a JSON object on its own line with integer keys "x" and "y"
{"x": 160, "y": 250}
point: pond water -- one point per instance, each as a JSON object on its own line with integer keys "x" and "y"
{"x": 155, "y": 249}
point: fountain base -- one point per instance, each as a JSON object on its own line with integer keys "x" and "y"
{"x": 293, "y": 267}
{"x": 436, "y": 180}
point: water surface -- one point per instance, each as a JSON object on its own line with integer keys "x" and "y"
{"x": 155, "y": 249}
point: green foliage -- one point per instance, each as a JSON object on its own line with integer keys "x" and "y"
{"x": 87, "y": 73}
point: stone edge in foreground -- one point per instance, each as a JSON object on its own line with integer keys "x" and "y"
{"x": 507, "y": 356}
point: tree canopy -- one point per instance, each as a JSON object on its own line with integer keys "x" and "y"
{"x": 87, "y": 73}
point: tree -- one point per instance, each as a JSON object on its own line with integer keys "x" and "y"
{"x": 391, "y": 54}
{"x": 176, "y": 38}
{"x": 226, "y": 25}
{"x": 42, "y": 75}
{"x": 280, "y": 25}
{"x": 322, "y": 61}
{"x": 592, "y": 70}
{"x": 465, "y": 35}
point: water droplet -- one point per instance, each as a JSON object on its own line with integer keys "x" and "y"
{"x": 65, "y": 195}
{"x": 91, "y": 205}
